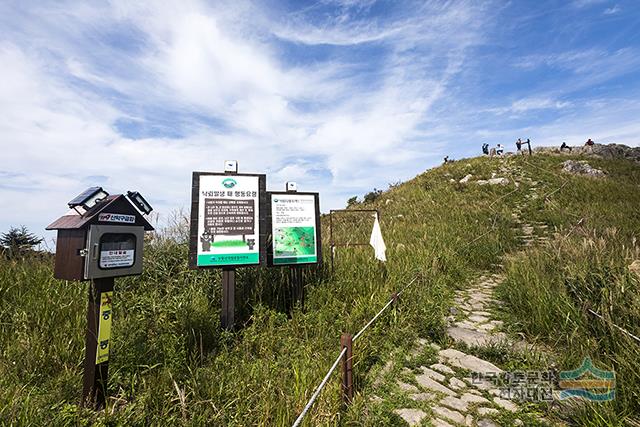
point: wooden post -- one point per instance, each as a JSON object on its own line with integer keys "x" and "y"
{"x": 347, "y": 368}
{"x": 296, "y": 285}
{"x": 94, "y": 390}
{"x": 228, "y": 298}
{"x": 301, "y": 286}
{"x": 394, "y": 297}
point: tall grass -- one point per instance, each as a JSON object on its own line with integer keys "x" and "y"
{"x": 171, "y": 364}
{"x": 550, "y": 289}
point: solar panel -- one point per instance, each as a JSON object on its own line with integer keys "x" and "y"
{"x": 82, "y": 197}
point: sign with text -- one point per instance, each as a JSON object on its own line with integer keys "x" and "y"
{"x": 294, "y": 228}
{"x": 104, "y": 327}
{"x": 227, "y": 225}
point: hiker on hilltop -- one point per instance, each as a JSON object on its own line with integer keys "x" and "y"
{"x": 564, "y": 145}
{"x": 485, "y": 148}
{"x": 519, "y": 145}
{"x": 589, "y": 143}
{"x": 499, "y": 149}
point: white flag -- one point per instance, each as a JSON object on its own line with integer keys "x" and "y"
{"x": 377, "y": 241}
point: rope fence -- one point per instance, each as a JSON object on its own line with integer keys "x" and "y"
{"x": 347, "y": 358}
{"x": 316, "y": 393}
{"x": 621, "y": 329}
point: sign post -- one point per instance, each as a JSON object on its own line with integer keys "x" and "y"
{"x": 96, "y": 362}
{"x": 227, "y": 319}
{"x": 227, "y": 227}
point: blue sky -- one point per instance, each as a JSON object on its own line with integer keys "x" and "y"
{"x": 339, "y": 95}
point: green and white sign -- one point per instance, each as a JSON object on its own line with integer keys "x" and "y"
{"x": 294, "y": 229}
{"x": 228, "y": 225}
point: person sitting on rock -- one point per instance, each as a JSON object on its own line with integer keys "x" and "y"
{"x": 499, "y": 150}
{"x": 589, "y": 142}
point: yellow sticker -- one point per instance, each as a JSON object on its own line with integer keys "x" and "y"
{"x": 104, "y": 327}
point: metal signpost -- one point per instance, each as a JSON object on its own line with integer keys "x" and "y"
{"x": 100, "y": 240}
{"x": 227, "y": 227}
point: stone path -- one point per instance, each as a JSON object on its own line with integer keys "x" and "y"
{"x": 470, "y": 321}
{"x": 456, "y": 390}
{"x": 457, "y": 387}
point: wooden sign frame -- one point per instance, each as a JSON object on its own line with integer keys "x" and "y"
{"x": 195, "y": 207}
{"x": 318, "y": 236}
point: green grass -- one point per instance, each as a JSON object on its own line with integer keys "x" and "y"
{"x": 167, "y": 342}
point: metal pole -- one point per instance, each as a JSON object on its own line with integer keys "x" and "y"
{"x": 228, "y": 298}
{"x": 94, "y": 389}
{"x": 347, "y": 368}
{"x": 331, "y": 238}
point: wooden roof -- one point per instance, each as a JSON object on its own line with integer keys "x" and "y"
{"x": 116, "y": 204}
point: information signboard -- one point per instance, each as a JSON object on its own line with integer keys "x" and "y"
{"x": 225, "y": 219}
{"x": 295, "y": 228}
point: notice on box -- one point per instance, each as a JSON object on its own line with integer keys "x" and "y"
{"x": 117, "y": 258}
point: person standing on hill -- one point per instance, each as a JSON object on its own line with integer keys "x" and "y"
{"x": 485, "y": 148}
{"x": 519, "y": 145}
{"x": 499, "y": 149}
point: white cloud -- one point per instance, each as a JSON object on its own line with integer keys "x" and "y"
{"x": 612, "y": 10}
{"x": 380, "y": 102}
{"x": 587, "y": 3}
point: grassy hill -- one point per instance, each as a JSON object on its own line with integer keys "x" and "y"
{"x": 171, "y": 364}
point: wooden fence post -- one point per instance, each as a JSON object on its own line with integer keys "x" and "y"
{"x": 228, "y": 298}
{"x": 347, "y": 368}
{"x": 94, "y": 390}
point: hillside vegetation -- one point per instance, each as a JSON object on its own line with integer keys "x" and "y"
{"x": 171, "y": 364}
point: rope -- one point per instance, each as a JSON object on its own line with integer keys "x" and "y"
{"x": 319, "y": 389}
{"x": 615, "y": 326}
{"x": 356, "y": 336}
{"x": 342, "y": 353}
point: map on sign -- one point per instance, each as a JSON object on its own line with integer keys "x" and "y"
{"x": 228, "y": 226}
{"x": 294, "y": 228}
{"x": 293, "y": 241}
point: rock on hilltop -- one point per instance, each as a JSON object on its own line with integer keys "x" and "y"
{"x": 605, "y": 151}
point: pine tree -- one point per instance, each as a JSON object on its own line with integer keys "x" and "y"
{"x": 19, "y": 240}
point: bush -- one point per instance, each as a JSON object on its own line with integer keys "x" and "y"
{"x": 371, "y": 196}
